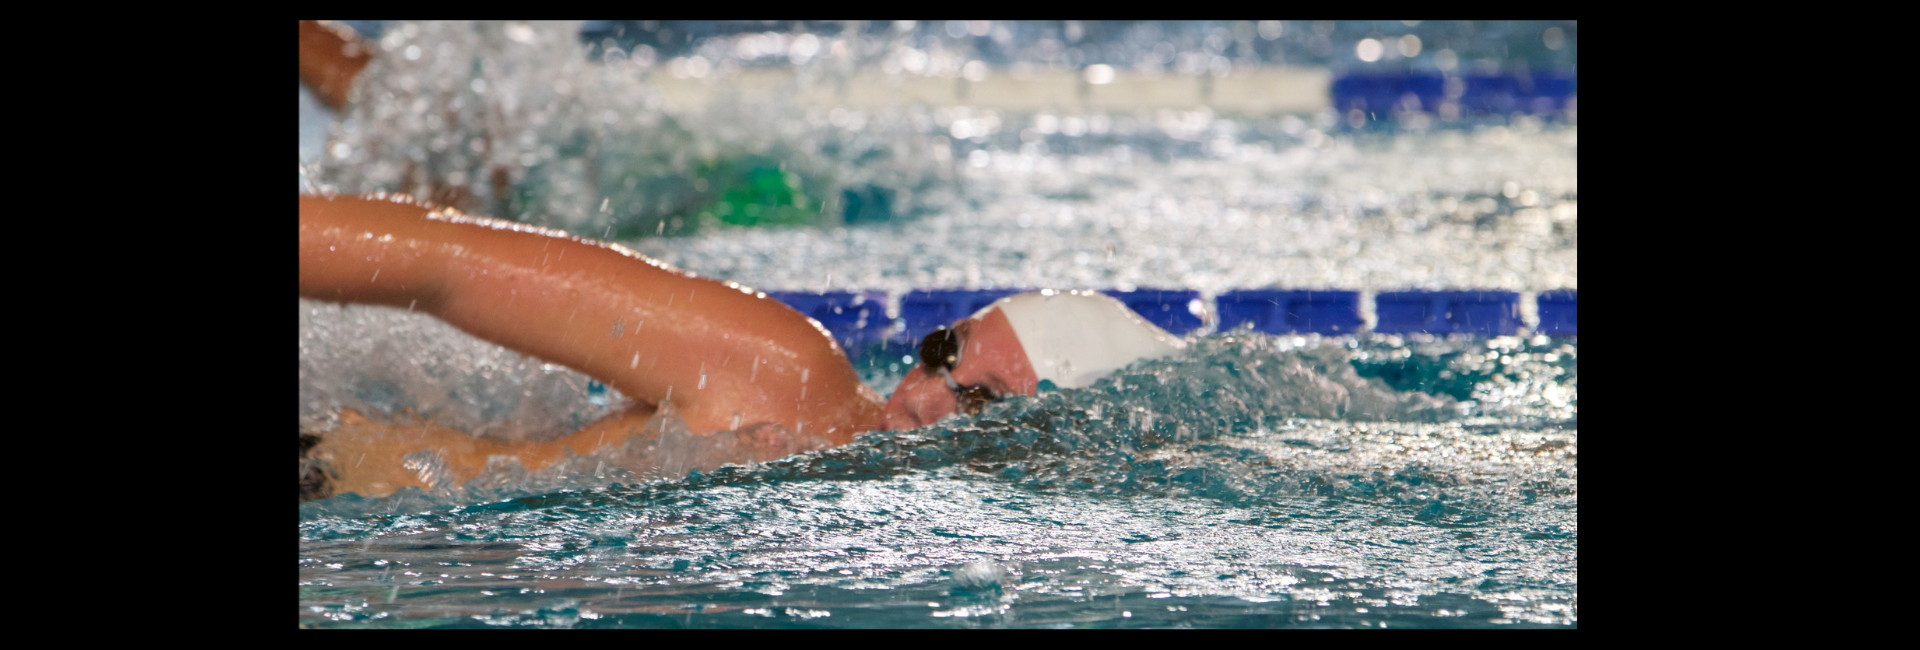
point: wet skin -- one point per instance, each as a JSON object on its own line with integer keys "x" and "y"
{"x": 990, "y": 356}
{"x": 723, "y": 356}
{"x": 725, "y": 359}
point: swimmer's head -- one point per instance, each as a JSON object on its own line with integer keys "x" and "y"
{"x": 926, "y": 394}
{"x": 1066, "y": 338}
{"x": 940, "y": 356}
{"x": 962, "y": 368}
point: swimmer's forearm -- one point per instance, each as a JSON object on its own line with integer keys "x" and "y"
{"x": 330, "y": 57}
{"x": 364, "y": 251}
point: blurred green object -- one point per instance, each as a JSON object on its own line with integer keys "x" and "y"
{"x": 648, "y": 193}
{"x": 755, "y": 191}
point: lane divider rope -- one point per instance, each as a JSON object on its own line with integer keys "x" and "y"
{"x": 868, "y": 320}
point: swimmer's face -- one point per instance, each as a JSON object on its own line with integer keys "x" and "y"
{"x": 981, "y": 360}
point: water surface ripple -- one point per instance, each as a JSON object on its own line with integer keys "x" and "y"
{"x": 1256, "y": 481}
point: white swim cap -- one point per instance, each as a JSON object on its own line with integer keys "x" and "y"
{"x": 1073, "y": 338}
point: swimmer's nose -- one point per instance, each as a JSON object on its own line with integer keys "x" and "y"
{"x": 920, "y": 400}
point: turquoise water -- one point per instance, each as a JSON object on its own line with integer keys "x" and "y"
{"x": 1257, "y": 481}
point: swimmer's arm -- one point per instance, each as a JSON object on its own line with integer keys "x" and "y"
{"x": 723, "y": 358}
{"x": 330, "y": 57}
{"x": 370, "y": 458}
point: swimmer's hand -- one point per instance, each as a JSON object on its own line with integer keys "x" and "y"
{"x": 331, "y": 55}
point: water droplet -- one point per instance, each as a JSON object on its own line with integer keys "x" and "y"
{"x": 1369, "y": 50}
{"x": 1099, "y": 74}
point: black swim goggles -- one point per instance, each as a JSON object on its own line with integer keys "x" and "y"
{"x": 939, "y": 353}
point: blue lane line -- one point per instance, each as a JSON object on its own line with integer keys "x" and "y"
{"x": 854, "y": 318}
{"x": 1291, "y": 312}
{"x": 925, "y": 311}
{"x": 1559, "y": 313}
{"x": 1490, "y": 313}
{"x": 859, "y": 322}
{"x": 1383, "y": 94}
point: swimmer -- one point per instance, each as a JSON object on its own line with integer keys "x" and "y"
{"x": 710, "y": 357}
{"x": 714, "y": 357}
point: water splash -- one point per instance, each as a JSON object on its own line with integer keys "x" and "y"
{"x": 1275, "y": 208}
{"x": 519, "y": 127}
{"x": 391, "y": 363}
{"x": 1252, "y": 481}
{"x": 510, "y": 119}
{"x": 1240, "y": 417}
{"x": 1313, "y": 523}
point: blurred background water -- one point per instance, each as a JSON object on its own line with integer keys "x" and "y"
{"x": 1360, "y": 480}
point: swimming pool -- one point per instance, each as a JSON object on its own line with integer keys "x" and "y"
{"x": 1363, "y": 480}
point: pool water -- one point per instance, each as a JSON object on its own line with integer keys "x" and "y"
{"x": 1254, "y": 481}
{"x": 1227, "y": 487}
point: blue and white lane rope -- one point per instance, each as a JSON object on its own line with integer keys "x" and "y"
{"x": 860, "y": 319}
{"x": 1381, "y": 94}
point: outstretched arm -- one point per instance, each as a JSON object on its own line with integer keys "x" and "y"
{"x": 721, "y": 355}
